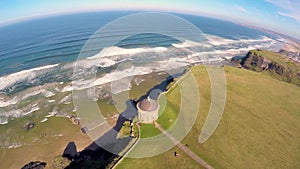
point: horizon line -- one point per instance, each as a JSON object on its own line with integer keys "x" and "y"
{"x": 184, "y": 12}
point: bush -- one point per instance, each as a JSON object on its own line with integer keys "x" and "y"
{"x": 60, "y": 162}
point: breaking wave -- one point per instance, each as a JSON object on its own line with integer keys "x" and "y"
{"x": 215, "y": 49}
{"x": 152, "y": 59}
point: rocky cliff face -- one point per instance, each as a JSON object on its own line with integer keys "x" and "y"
{"x": 256, "y": 62}
{"x": 272, "y": 64}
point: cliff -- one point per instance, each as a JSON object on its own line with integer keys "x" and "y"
{"x": 272, "y": 64}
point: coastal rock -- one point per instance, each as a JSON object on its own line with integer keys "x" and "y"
{"x": 256, "y": 62}
{"x": 35, "y": 165}
{"x": 273, "y": 64}
{"x": 29, "y": 126}
{"x": 84, "y": 130}
{"x": 75, "y": 120}
{"x": 106, "y": 95}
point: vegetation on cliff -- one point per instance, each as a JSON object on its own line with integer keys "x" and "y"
{"x": 272, "y": 64}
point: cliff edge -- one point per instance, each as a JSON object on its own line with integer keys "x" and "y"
{"x": 272, "y": 64}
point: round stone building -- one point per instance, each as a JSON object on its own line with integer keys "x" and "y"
{"x": 147, "y": 110}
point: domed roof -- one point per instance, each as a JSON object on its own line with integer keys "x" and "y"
{"x": 148, "y": 104}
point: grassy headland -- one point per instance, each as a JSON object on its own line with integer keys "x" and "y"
{"x": 259, "y": 129}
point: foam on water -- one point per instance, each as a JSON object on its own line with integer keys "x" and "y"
{"x": 217, "y": 40}
{"x": 12, "y": 113}
{"x": 3, "y": 120}
{"x": 44, "y": 120}
{"x": 14, "y": 146}
{"x": 116, "y": 51}
{"x": 158, "y": 59}
{"x": 51, "y": 101}
{"x": 67, "y": 88}
{"x": 189, "y": 43}
{"x": 31, "y": 111}
{"x": 113, "y": 55}
{"x": 23, "y": 75}
{"x": 15, "y": 113}
{"x": 48, "y": 93}
{"x": 66, "y": 99}
{"x": 6, "y": 101}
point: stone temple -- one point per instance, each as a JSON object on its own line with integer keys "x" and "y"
{"x": 147, "y": 110}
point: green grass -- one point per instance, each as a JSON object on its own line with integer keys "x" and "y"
{"x": 289, "y": 70}
{"x": 272, "y": 56}
{"x": 166, "y": 160}
{"x": 170, "y": 104}
{"x": 149, "y": 82}
{"x": 107, "y": 108}
{"x": 148, "y": 130}
{"x": 259, "y": 128}
{"x": 168, "y": 113}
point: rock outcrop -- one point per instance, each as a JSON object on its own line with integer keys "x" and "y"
{"x": 28, "y": 126}
{"x": 74, "y": 120}
{"x": 35, "y": 165}
{"x": 272, "y": 64}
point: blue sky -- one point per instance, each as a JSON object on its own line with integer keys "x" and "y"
{"x": 278, "y": 15}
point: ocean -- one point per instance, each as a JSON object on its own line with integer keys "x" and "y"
{"x": 43, "y": 51}
{"x": 59, "y": 39}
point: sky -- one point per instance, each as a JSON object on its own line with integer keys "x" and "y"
{"x": 281, "y": 16}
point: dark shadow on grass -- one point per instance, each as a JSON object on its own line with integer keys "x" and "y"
{"x": 154, "y": 92}
{"x": 99, "y": 154}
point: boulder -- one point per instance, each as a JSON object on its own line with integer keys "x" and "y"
{"x": 35, "y": 165}
{"x": 29, "y": 126}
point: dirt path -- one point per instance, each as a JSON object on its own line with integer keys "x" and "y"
{"x": 184, "y": 148}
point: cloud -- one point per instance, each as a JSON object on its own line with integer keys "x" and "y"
{"x": 242, "y": 9}
{"x": 288, "y": 8}
{"x": 296, "y": 17}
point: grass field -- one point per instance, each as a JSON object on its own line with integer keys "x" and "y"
{"x": 165, "y": 161}
{"x": 169, "y": 111}
{"x": 148, "y": 130}
{"x": 259, "y": 129}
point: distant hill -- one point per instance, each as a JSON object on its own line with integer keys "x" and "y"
{"x": 273, "y": 64}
